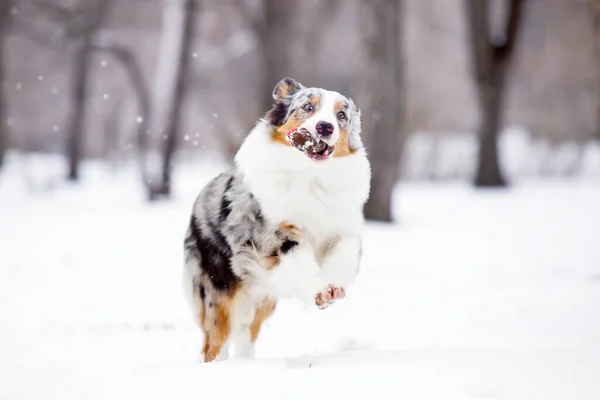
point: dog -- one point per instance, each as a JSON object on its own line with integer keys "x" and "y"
{"x": 284, "y": 221}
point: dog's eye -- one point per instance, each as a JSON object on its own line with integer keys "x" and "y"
{"x": 308, "y": 107}
{"x": 341, "y": 115}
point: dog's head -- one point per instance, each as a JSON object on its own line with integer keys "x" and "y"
{"x": 329, "y": 118}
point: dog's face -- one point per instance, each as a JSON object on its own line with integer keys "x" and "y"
{"x": 330, "y": 119}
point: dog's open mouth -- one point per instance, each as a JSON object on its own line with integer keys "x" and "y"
{"x": 319, "y": 151}
{"x": 314, "y": 148}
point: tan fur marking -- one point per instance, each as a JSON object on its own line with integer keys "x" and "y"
{"x": 263, "y": 311}
{"x": 287, "y": 232}
{"x": 279, "y": 134}
{"x": 218, "y": 333}
{"x": 284, "y": 89}
{"x": 216, "y": 324}
{"x": 342, "y": 147}
{"x": 288, "y": 229}
{"x": 271, "y": 262}
{"x": 315, "y": 100}
{"x": 326, "y": 248}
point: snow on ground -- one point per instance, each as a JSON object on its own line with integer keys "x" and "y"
{"x": 474, "y": 295}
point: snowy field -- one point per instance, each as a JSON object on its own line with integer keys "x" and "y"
{"x": 474, "y": 295}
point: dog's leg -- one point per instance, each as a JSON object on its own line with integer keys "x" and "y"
{"x": 340, "y": 260}
{"x": 247, "y": 334}
{"x": 298, "y": 274}
{"x": 217, "y": 328}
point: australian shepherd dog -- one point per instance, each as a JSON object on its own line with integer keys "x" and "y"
{"x": 285, "y": 221}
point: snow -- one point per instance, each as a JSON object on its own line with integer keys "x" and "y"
{"x": 453, "y": 155}
{"x": 473, "y": 295}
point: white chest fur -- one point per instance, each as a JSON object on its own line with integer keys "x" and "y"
{"x": 324, "y": 198}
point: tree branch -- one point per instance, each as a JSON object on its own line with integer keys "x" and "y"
{"x": 256, "y": 21}
{"x": 513, "y": 23}
{"x": 58, "y": 13}
{"x": 478, "y": 22}
{"x": 126, "y": 57}
{"x": 29, "y": 32}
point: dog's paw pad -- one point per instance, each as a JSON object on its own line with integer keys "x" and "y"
{"x": 329, "y": 295}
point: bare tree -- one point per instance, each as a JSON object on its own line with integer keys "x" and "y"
{"x": 5, "y": 8}
{"x": 94, "y": 17}
{"x": 127, "y": 59}
{"x": 595, "y": 13}
{"x": 384, "y": 102}
{"x": 173, "y": 115}
{"x": 321, "y": 13}
{"x": 272, "y": 26}
{"x": 491, "y": 57}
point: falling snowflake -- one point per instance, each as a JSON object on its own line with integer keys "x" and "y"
{"x": 195, "y": 143}
{"x": 54, "y": 90}
{"x": 211, "y": 127}
{"x": 129, "y": 145}
{"x": 139, "y": 120}
{"x": 55, "y": 128}
{"x": 105, "y": 96}
{"x": 197, "y": 134}
{"x": 195, "y": 55}
{"x": 19, "y": 85}
{"x": 186, "y": 137}
{"x": 215, "y": 115}
{"x": 14, "y": 11}
{"x": 103, "y": 63}
{"x": 9, "y": 122}
{"x": 41, "y": 77}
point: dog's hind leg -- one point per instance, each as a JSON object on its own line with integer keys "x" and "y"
{"x": 217, "y": 328}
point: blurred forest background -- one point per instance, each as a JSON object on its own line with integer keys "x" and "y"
{"x": 484, "y": 91}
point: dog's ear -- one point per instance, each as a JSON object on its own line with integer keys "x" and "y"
{"x": 282, "y": 94}
{"x": 285, "y": 89}
{"x": 354, "y": 133}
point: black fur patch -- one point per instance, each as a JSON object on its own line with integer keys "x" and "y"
{"x": 216, "y": 259}
{"x": 258, "y": 216}
{"x": 225, "y": 202}
{"x": 288, "y": 245}
{"x": 278, "y": 114}
{"x": 202, "y": 292}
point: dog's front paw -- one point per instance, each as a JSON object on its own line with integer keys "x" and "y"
{"x": 329, "y": 295}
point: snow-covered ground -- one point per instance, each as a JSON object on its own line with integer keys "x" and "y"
{"x": 474, "y": 295}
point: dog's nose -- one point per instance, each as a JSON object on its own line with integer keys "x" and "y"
{"x": 324, "y": 128}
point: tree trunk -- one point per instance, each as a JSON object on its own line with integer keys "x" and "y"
{"x": 490, "y": 66}
{"x": 595, "y": 12}
{"x": 273, "y": 30}
{"x": 79, "y": 94}
{"x": 127, "y": 59}
{"x": 488, "y": 166}
{"x": 4, "y": 22}
{"x": 80, "y": 88}
{"x": 383, "y": 127}
{"x": 173, "y": 118}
